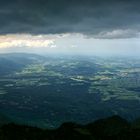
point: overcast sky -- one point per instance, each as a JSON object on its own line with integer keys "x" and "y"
{"x": 72, "y": 26}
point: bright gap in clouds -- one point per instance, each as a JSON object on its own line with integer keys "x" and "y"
{"x": 68, "y": 44}
{"x": 25, "y": 40}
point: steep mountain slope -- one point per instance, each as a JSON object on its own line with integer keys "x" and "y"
{"x": 113, "y": 128}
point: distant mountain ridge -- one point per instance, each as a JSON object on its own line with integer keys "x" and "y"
{"x": 112, "y": 128}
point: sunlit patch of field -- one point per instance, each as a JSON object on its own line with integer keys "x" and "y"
{"x": 116, "y": 87}
{"x": 2, "y": 92}
{"x": 38, "y": 70}
{"x": 71, "y": 65}
{"x": 131, "y": 70}
{"x": 108, "y": 93}
{"x": 22, "y": 82}
{"x": 53, "y": 73}
{"x": 32, "y": 69}
{"x": 26, "y": 82}
{"x": 77, "y": 79}
{"x": 129, "y": 97}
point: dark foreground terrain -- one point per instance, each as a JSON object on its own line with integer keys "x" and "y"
{"x": 113, "y": 128}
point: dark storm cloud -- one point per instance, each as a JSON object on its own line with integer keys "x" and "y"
{"x": 98, "y": 18}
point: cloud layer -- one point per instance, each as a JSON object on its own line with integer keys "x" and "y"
{"x": 97, "y": 18}
{"x": 25, "y": 40}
